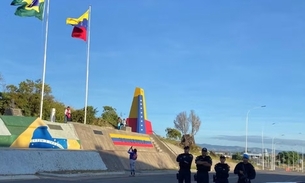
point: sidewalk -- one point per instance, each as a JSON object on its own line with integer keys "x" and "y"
{"x": 84, "y": 174}
{"x": 18, "y": 177}
{"x": 80, "y": 174}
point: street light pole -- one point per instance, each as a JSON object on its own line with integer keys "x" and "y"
{"x": 298, "y": 156}
{"x": 302, "y": 160}
{"x": 272, "y": 154}
{"x": 247, "y": 121}
{"x": 302, "y": 155}
{"x": 293, "y": 152}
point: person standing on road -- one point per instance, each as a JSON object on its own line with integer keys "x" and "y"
{"x": 245, "y": 170}
{"x": 185, "y": 161}
{"x": 222, "y": 171}
{"x": 203, "y": 164}
{"x": 132, "y": 160}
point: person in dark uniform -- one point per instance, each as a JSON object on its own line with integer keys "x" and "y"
{"x": 245, "y": 170}
{"x": 222, "y": 171}
{"x": 203, "y": 164}
{"x": 185, "y": 161}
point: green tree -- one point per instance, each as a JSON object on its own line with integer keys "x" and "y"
{"x": 288, "y": 157}
{"x": 2, "y": 83}
{"x": 4, "y": 98}
{"x": 78, "y": 115}
{"x": 110, "y": 115}
{"x": 26, "y": 96}
{"x": 237, "y": 156}
{"x": 4, "y": 102}
{"x": 172, "y": 133}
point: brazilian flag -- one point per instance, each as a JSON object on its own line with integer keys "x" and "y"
{"x": 29, "y": 8}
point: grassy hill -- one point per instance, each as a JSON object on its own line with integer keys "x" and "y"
{"x": 196, "y": 151}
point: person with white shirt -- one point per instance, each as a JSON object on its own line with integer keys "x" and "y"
{"x": 124, "y": 122}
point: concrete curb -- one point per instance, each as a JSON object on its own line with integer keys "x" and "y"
{"x": 155, "y": 172}
{"x": 17, "y": 177}
{"x": 79, "y": 174}
{"x": 67, "y": 175}
{"x": 71, "y": 175}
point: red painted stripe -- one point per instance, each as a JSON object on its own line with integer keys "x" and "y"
{"x": 79, "y": 32}
{"x": 132, "y": 144}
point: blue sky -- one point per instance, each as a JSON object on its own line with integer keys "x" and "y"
{"x": 219, "y": 58}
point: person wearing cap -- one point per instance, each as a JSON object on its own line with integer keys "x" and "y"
{"x": 222, "y": 171}
{"x": 245, "y": 170}
{"x": 203, "y": 164}
{"x": 185, "y": 161}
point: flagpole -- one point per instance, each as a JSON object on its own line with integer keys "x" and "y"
{"x": 45, "y": 55}
{"x": 88, "y": 59}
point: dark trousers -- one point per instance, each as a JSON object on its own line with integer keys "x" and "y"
{"x": 184, "y": 176}
{"x": 222, "y": 181}
{"x": 243, "y": 181}
{"x": 202, "y": 177}
{"x": 67, "y": 119}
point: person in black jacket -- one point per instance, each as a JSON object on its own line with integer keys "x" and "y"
{"x": 203, "y": 164}
{"x": 185, "y": 161}
{"x": 245, "y": 170}
{"x": 222, "y": 171}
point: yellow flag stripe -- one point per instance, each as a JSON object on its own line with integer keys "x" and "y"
{"x": 112, "y": 135}
{"x": 75, "y": 21}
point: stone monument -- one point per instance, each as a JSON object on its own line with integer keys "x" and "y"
{"x": 12, "y": 110}
{"x": 126, "y": 128}
{"x": 52, "y": 116}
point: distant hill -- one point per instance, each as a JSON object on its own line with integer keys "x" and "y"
{"x": 233, "y": 149}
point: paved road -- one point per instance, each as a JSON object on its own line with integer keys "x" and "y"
{"x": 165, "y": 178}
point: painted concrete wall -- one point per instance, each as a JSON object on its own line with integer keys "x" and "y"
{"x": 31, "y": 161}
{"x": 31, "y": 132}
{"x": 3, "y": 130}
{"x": 23, "y": 135}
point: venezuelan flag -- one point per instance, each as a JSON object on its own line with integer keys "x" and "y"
{"x": 29, "y": 8}
{"x": 80, "y": 26}
{"x": 131, "y": 140}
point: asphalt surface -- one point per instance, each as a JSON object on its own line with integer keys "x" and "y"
{"x": 161, "y": 178}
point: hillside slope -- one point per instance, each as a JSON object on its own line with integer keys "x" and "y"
{"x": 177, "y": 149}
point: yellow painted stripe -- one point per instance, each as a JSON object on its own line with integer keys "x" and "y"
{"x": 113, "y": 135}
{"x": 134, "y": 106}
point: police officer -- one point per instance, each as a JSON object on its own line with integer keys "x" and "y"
{"x": 222, "y": 171}
{"x": 203, "y": 164}
{"x": 245, "y": 170}
{"x": 185, "y": 161}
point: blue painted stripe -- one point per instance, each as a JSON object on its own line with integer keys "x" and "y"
{"x": 141, "y": 121}
{"x": 131, "y": 140}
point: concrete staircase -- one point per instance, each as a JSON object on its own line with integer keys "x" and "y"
{"x": 156, "y": 145}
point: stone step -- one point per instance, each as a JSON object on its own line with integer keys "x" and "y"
{"x": 156, "y": 145}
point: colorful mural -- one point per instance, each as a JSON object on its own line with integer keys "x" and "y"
{"x": 131, "y": 140}
{"x": 138, "y": 117}
{"x": 29, "y": 132}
